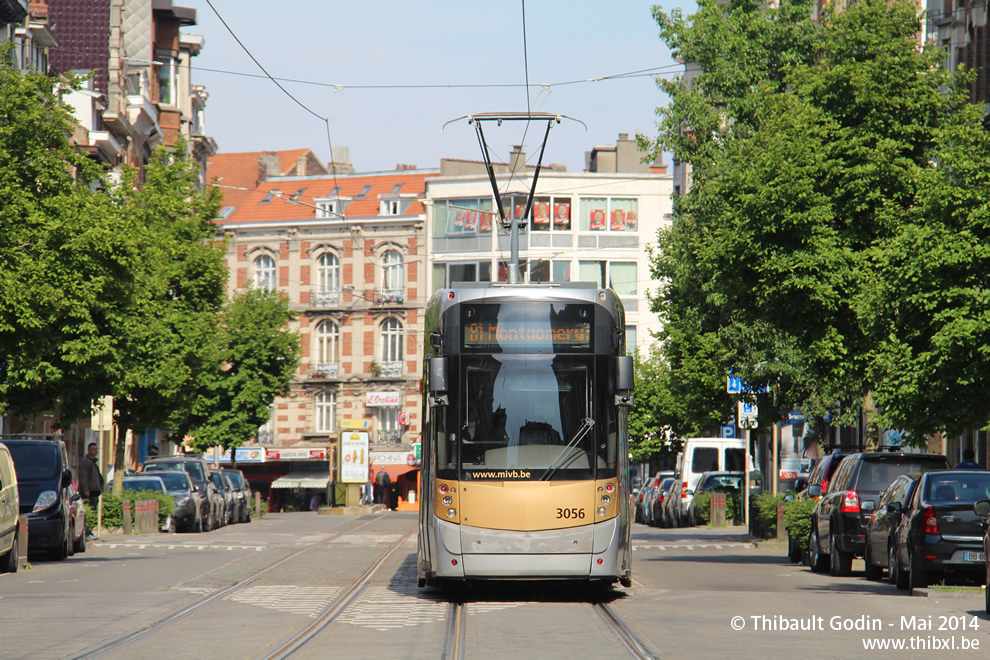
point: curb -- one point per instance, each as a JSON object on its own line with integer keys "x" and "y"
{"x": 932, "y": 593}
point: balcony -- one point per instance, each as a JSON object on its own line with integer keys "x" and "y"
{"x": 323, "y": 369}
{"x": 391, "y": 370}
{"x": 389, "y": 296}
{"x": 389, "y": 437}
{"x": 321, "y": 298}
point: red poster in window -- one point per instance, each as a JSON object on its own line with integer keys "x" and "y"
{"x": 618, "y": 220}
{"x": 486, "y": 221}
{"x": 520, "y": 209}
{"x": 561, "y": 214}
{"x": 631, "y": 221}
{"x": 597, "y": 219}
{"x": 459, "y": 220}
{"x": 470, "y": 220}
{"x": 541, "y": 213}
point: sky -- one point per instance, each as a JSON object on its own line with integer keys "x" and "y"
{"x": 389, "y": 74}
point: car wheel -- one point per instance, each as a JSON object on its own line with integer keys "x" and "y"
{"x": 873, "y": 572}
{"x": 70, "y": 545}
{"x": 919, "y": 577}
{"x": 61, "y": 552}
{"x": 841, "y": 562}
{"x": 81, "y": 543}
{"x": 8, "y": 562}
{"x": 198, "y": 526}
{"x": 895, "y": 575}
{"x": 818, "y": 561}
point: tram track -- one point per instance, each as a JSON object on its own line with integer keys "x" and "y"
{"x": 128, "y": 639}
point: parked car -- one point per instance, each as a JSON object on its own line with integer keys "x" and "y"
{"x": 940, "y": 534}
{"x": 219, "y": 496}
{"x": 657, "y": 500}
{"x": 656, "y": 485}
{"x": 724, "y": 482}
{"x": 77, "y": 522}
{"x": 838, "y": 523}
{"x": 812, "y": 489}
{"x": 881, "y": 533}
{"x": 644, "y": 493}
{"x": 670, "y": 512}
{"x": 43, "y": 480}
{"x": 982, "y": 509}
{"x": 244, "y": 495}
{"x": 151, "y": 482}
{"x": 199, "y": 471}
{"x": 9, "y": 511}
{"x": 190, "y": 508}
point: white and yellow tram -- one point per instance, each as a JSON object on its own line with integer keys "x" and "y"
{"x": 525, "y": 471}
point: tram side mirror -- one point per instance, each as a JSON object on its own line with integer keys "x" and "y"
{"x": 625, "y": 383}
{"x": 438, "y": 382}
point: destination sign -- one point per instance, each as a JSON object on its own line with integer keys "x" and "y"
{"x": 486, "y": 333}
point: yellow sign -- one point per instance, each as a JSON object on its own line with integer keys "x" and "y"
{"x": 356, "y": 424}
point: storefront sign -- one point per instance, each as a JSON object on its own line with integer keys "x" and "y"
{"x": 294, "y": 455}
{"x": 383, "y": 399}
{"x": 355, "y": 424}
{"x": 244, "y": 455}
{"x": 354, "y": 457}
{"x": 391, "y": 457}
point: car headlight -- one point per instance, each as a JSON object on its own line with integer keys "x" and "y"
{"x": 46, "y": 500}
{"x": 182, "y": 501}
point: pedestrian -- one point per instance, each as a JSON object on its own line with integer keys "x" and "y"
{"x": 368, "y": 489}
{"x": 382, "y": 483}
{"x": 90, "y": 479}
{"x": 314, "y": 502}
{"x": 969, "y": 461}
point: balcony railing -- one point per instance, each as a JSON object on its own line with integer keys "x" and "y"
{"x": 321, "y": 298}
{"x": 389, "y": 437}
{"x": 323, "y": 369}
{"x": 393, "y": 296}
{"x": 391, "y": 369}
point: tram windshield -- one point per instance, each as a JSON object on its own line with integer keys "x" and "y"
{"x": 527, "y": 417}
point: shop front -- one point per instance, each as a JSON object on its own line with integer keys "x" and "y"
{"x": 403, "y": 469}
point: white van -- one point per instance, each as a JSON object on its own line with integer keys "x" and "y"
{"x": 9, "y": 510}
{"x": 707, "y": 455}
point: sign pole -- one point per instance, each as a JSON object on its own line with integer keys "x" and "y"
{"x": 746, "y": 460}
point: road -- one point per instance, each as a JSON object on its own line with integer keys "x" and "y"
{"x": 203, "y": 596}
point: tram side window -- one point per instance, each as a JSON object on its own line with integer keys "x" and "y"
{"x": 446, "y": 443}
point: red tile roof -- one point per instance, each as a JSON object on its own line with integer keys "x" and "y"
{"x": 254, "y": 208}
{"x": 238, "y": 174}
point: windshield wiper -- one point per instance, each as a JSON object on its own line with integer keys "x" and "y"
{"x": 586, "y": 425}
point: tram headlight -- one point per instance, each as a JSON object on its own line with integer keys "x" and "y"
{"x": 447, "y": 501}
{"x": 606, "y": 500}
{"x": 602, "y": 511}
{"x": 452, "y": 513}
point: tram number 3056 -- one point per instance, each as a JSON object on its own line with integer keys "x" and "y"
{"x": 570, "y": 513}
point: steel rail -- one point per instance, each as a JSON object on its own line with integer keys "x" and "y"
{"x": 453, "y": 643}
{"x": 155, "y": 627}
{"x": 636, "y": 647}
{"x": 337, "y": 607}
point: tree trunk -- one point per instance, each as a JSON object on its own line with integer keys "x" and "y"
{"x": 233, "y": 456}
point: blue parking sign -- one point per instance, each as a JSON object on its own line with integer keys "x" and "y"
{"x": 728, "y": 431}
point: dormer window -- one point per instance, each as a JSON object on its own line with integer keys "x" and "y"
{"x": 391, "y": 207}
{"x": 326, "y": 209}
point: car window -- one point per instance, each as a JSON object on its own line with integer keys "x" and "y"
{"x": 35, "y": 462}
{"x": 666, "y": 483}
{"x": 876, "y": 475}
{"x": 175, "y": 480}
{"x": 235, "y": 478}
{"x": 957, "y": 486}
{"x": 735, "y": 458}
{"x": 839, "y": 480}
{"x": 193, "y": 468}
{"x": 704, "y": 459}
{"x": 143, "y": 484}
{"x": 892, "y": 494}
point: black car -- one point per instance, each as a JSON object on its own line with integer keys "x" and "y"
{"x": 199, "y": 471}
{"x": 43, "y": 480}
{"x": 812, "y": 489}
{"x": 242, "y": 491}
{"x": 939, "y": 533}
{"x": 838, "y": 523}
{"x": 881, "y": 533}
{"x": 656, "y": 503}
{"x": 189, "y": 505}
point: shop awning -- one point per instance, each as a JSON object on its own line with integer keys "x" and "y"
{"x": 300, "y": 479}
{"x": 395, "y": 471}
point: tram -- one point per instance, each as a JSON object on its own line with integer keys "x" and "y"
{"x": 525, "y": 468}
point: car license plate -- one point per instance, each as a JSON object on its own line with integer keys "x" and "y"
{"x": 974, "y": 556}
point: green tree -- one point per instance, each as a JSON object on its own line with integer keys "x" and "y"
{"x": 258, "y": 357}
{"x": 807, "y": 161}
{"x": 167, "y": 339}
{"x": 66, "y": 256}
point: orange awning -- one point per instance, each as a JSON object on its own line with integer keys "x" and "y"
{"x": 395, "y": 470}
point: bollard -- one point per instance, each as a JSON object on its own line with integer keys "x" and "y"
{"x": 257, "y": 505}
{"x": 146, "y": 516}
{"x": 781, "y": 528}
{"x": 22, "y": 541}
{"x": 717, "y": 507}
{"x": 127, "y": 516}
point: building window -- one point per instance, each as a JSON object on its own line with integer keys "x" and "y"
{"x": 619, "y": 275}
{"x": 545, "y": 270}
{"x": 264, "y": 272}
{"x": 326, "y": 404}
{"x": 327, "y": 342}
{"x": 600, "y": 214}
{"x": 388, "y": 426}
{"x": 390, "y": 207}
{"x": 266, "y": 432}
{"x": 391, "y": 347}
{"x": 445, "y": 274}
{"x": 168, "y": 78}
{"x": 630, "y": 339}
{"x": 328, "y": 272}
{"x": 326, "y": 209}
{"x": 547, "y": 214}
{"x": 392, "y": 276}
{"x": 462, "y": 216}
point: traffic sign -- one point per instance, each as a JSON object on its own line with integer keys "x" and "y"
{"x": 748, "y": 415}
{"x": 728, "y": 431}
{"x": 736, "y": 385}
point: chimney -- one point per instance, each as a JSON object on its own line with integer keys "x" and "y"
{"x": 517, "y": 158}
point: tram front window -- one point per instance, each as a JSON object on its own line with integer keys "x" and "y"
{"x": 527, "y": 417}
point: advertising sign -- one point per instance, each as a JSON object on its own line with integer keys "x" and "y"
{"x": 381, "y": 399}
{"x": 294, "y": 455}
{"x": 354, "y": 457}
{"x": 355, "y": 424}
{"x": 244, "y": 455}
